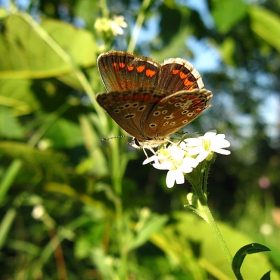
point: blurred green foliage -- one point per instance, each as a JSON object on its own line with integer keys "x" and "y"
{"x": 104, "y": 215}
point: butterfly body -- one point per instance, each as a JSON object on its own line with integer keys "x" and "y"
{"x": 149, "y": 100}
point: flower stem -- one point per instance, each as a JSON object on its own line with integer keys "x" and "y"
{"x": 138, "y": 25}
{"x": 198, "y": 179}
{"x": 208, "y": 217}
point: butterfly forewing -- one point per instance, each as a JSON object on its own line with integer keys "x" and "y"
{"x": 124, "y": 71}
{"x": 175, "y": 111}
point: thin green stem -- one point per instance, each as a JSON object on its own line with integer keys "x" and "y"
{"x": 104, "y": 8}
{"x": 8, "y": 177}
{"x": 117, "y": 177}
{"x": 138, "y": 26}
{"x": 198, "y": 179}
{"x": 205, "y": 177}
{"x": 208, "y": 217}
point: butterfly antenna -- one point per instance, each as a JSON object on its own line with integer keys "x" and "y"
{"x": 115, "y": 137}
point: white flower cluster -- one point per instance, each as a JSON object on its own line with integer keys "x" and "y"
{"x": 183, "y": 157}
{"x": 113, "y": 26}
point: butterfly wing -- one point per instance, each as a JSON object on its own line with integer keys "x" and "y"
{"x": 129, "y": 109}
{"x": 178, "y": 74}
{"x": 125, "y": 71}
{"x": 175, "y": 111}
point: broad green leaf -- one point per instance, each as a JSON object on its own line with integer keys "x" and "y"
{"x": 78, "y": 43}
{"x": 153, "y": 224}
{"x": 9, "y": 125}
{"x": 70, "y": 191}
{"x": 266, "y": 24}
{"x": 17, "y": 94}
{"x": 240, "y": 255}
{"x": 51, "y": 49}
{"x": 227, "y": 13}
{"x": 87, "y": 10}
{"x": 227, "y": 49}
{"x": 48, "y": 164}
{"x": 266, "y": 276}
{"x": 64, "y": 134}
{"x": 28, "y": 51}
{"x": 195, "y": 233}
{"x": 179, "y": 251}
{"x": 177, "y": 43}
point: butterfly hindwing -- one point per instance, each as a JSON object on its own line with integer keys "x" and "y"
{"x": 129, "y": 109}
{"x": 177, "y": 110}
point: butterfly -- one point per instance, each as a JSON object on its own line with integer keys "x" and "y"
{"x": 149, "y": 100}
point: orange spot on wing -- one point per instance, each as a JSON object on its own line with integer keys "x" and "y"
{"x": 150, "y": 73}
{"x": 175, "y": 72}
{"x": 122, "y": 65}
{"x": 183, "y": 75}
{"x": 188, "y": 83}
{"x": 130, "y": 68}
{"x": 114, "y": 64}
{"x": 140, "y": 68}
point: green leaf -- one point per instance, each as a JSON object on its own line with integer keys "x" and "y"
{"x": 8, "y": 177}
{"x": 190, "y": 236}
{"x": 51, "y": 49}
{"x": 266, "y": 276}
{"x": 224, "y": 17}
{"x": 48, "y": 164}
{"x": 64, "y": 134}
{"x": 97, "y": 161}
{"x": 6, "y": 224}
{"x": 9, "y": 125}
{"x": 227, "y": 49}
{"x": 266, "y": 24}
{"x": 241, "y": 254}
{"x": 28, "y": 51}
{"x": 154, "y": 224}
{"x": 18, "y": 95}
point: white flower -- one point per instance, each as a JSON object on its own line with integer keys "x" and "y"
{"x": 117, "y": 25}
{"x": 109, "y": 27}
{"x": 174, "y": 159}
{"x": 38, "y": 211}
{"x": 205, "y": 146}
{"x": 182, "y": 157}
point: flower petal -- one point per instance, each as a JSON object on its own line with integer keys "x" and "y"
{"x": 222, "y": 151}
{"x": 180, "y": 179}
{"x": 202, "y": 156}
{"x": 166, "y": 165}
{"x": 170, "y": 178}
